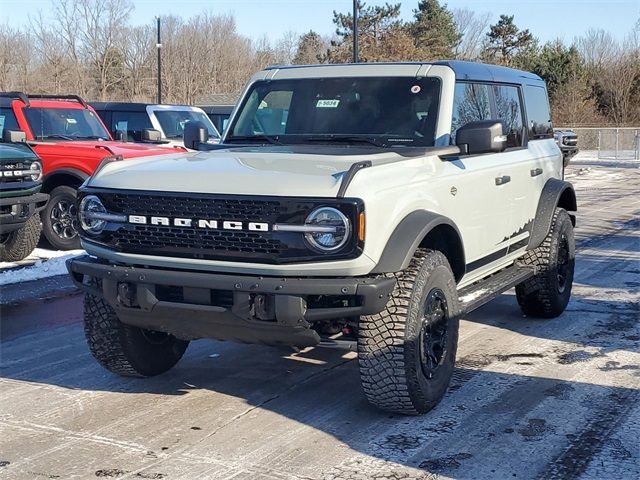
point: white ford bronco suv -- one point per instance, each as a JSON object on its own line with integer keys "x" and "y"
{"x": 362, "y": 206}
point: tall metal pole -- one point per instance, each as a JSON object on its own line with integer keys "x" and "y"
{"x": 159, "y": 47}
{"x": 355, "y": 31}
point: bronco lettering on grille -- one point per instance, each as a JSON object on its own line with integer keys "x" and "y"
{"x": 199, "y": 223}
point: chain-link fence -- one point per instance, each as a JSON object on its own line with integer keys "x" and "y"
{"x": 611, "y": 143}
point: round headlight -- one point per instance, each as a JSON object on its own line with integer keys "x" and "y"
{"x": 90, "y": 209}
{"x": 36, "y": 171}
{"x": 329, "y": 229}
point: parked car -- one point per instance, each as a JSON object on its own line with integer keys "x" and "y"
{"x": 133, "y": 119}
{"x": 219, "y": 115}
{"x": 567, "y": 140}
{"x": 362, "y": 206}
{"x": 69, "y": 137}
{"x": 20, "y": 198}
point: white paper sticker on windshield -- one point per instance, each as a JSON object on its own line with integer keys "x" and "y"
{"x": 327, "y": 103}
{"x": 72, "y": 120}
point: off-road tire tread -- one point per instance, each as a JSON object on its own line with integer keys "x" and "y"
{"x": 386, "y": 382}
{"x": 535, "y": 294}
{"x": 20, "y": 243}
{"x": 102, "y": 330}
{"x": 116, "y": 346}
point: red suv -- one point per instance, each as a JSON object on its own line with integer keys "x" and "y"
{"x": 69, "y": 137}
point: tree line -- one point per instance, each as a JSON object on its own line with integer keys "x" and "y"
{"x": 91, "y": 48}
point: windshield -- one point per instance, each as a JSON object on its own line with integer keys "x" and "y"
{"x": 381, "y": 111}
{"x": 65, "y": 124}
{"x": 174, "y": 121}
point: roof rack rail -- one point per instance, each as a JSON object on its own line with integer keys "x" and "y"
{"x": 24, "y": 98}
{"x": 17, "y": 95}
{"x": 77, "y": 98}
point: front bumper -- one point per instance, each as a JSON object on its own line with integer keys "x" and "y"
{"x": 15, "y": 211}
{"x": 243, "y": 308}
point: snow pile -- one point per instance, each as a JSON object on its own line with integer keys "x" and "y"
{"x": 45, "y": 263}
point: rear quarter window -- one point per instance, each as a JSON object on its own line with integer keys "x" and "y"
{"x": 538, "y": 112}
{"x": 509, "y": 110}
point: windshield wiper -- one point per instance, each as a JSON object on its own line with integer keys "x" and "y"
{"x": 252, "y": 138}
{"x": 90, "y": 137}
{"x": 346, "y": 139}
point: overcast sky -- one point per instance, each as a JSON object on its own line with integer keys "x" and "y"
{"x": 547, "y": 19}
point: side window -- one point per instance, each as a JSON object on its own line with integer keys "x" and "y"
{"x": 131, "y": 122}
{"x": 509, "y": 110}
{"x": 470, "y": 103}
{"x": 7, "y": 120}
{"x": 538, "y": 112}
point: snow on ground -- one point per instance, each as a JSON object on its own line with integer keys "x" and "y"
{"x": 41, "y": 263}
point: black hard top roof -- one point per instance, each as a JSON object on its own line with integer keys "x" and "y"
{"x": 122, "y": 106}
{"x": 482, "y": 72}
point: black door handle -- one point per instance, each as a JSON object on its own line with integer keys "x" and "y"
{"x": 536, "y": 171}
{"x": 503, "y": 179}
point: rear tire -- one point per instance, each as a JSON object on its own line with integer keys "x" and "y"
{"x": 59, "y": 219}
{"x": 547, "y": 294}
{"x": 124, "y": 349}
{"x": 19, "y": 244}
{"x": 407, "y": 352}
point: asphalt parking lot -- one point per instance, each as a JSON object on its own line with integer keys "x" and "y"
{"x": 529, "y": 399}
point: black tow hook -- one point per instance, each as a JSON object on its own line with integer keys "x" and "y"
{"x": 127, "y": 294}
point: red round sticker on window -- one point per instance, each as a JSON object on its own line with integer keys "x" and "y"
{"x": 415, "y": 89}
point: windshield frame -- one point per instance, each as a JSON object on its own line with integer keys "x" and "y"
{"x": 157, "y": 112}
{"x": 99, "y": 130}
{"x": 375, "y": 140}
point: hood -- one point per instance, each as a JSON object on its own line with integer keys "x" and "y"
{"x": 101, "y": 148}
{"x": 279, "y": 171}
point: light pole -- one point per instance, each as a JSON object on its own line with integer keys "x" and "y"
{"x": 159, "y": 47}
{"x": 355, "y": 31}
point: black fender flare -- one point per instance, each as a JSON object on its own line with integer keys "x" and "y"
{"x": 66, "y": 172}
{"x": 407, "y": 237}
{"x": 555, "y": 193}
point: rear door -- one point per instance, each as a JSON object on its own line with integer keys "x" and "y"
{"x": 545, "y": 160}
{"x": 517, "y": 161}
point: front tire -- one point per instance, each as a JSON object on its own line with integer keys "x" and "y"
{"x": 19, "y": 244}
{"x": 124, "y": 349}
{"x": 407, "y": 352}
{"x": 59, "y": 219}
{"x": 546, "y": 294}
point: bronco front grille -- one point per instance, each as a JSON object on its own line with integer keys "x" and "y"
{"x": 217, "y": 244}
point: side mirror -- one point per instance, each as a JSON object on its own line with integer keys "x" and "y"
{"x": 195, "y": 133}
{"x": 121, "y": 136}
{"x": 14, "y": 136}
{"x": 482, "y": 136}
{"x": 152, "y": 136}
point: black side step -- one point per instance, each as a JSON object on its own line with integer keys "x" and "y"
{"x": 477, "y": 294}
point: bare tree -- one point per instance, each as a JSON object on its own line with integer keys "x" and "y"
{"x": 286, "y": 47}
{"x": 15, "y": 61}
{"x": 138, "y": 62}
{"x": 597, "y": 47}
{"x": 473, "y": 27}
